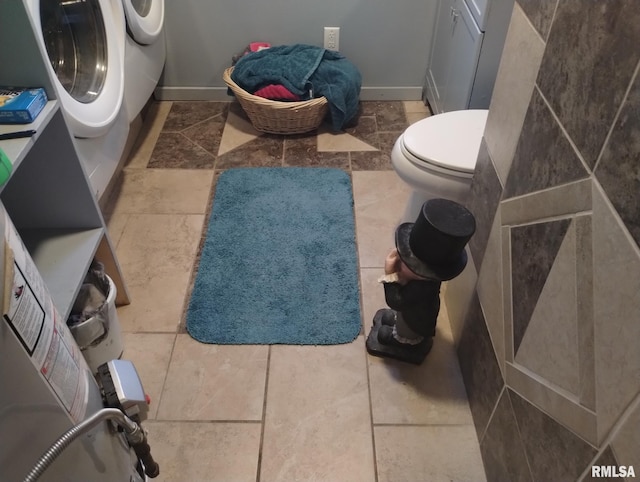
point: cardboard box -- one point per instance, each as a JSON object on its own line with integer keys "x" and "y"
{"x": 21, "y": 106}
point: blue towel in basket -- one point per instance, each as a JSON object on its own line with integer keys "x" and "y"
{"x": 307, "y": 71}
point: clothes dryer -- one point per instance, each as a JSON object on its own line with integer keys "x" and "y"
{"x": 84, "y": 40}
{"x": 145, "y": 52}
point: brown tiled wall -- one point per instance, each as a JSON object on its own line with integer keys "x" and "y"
{"x": 546, "y": 317}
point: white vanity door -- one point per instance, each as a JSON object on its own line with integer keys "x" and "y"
{"x": 454, "y": 58}
{"x": 480, "y": 11}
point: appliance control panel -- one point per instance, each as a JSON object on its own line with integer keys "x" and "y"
{"x": 122, "y": 389}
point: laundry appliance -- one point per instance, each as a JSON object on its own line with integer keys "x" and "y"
{"x": 85, "y": 43}
{"x": 145, "y": 52}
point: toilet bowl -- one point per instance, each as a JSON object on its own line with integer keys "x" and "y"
{"x": 437, "y": 156}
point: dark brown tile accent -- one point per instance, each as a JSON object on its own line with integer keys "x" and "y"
{"x": 186, "y": 114}
{"x": 265, "y": 151}
{"x": 554, "y": 453}
{"x": 237, "y": 109}
{"x": 389, "y": 116}
{"x": 502, "y": 450}
{"x": 587, "y": 66}
{"x": 370, "y": 161}
{"x": 479, "y": 366}
{"x": 207, "y": 134}
{"x": 175, "y": 151}
{"x": 618, "y": 170}
{"x": 302, "y": 151}
{"x": 376, "y": 160}
{"x": 544, "y": 157}
{"x": 533, "y": 251}
{"x": 484, "y": 198}
{"x": 368, "y": 108}
{"x": 386, "y": 141}
{"x": 365, "y": 130}
{"x": 540, "y": 13}
{"x": 338, "y": 160}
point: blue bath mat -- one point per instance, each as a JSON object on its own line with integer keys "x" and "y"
{"x": 279, "y": 262}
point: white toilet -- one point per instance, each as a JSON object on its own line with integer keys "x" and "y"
{"x": 437, "y": 157}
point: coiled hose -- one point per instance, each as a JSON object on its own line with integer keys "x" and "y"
{"x": 134, "y": 433}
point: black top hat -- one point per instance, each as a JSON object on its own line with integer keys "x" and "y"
{"x": 433, "y": 246}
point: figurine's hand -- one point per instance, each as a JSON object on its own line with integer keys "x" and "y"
{"x": 391, "y": 262}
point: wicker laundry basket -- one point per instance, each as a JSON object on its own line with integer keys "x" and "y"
{"x": 276, "y": 117}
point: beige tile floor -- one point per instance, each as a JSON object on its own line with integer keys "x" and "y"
{"x": 278, "y": 413}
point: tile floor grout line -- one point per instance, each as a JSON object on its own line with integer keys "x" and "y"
{"x": 363, "y": 327}
{"x": 198, "y": 146}
{"x": 164, "y": 332}
{"x": 200, "y": 122}
{"x": 195, "y": 265}
{"x": 373, "y": 436}
{"x": 264, "y": 414}
{"x": 284, "y": 150}
{"x": 385, "y": 424}
{"x": 166, "y": 373}
{"x": 209, "y": 421}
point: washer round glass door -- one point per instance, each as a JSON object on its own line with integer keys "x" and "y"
{"x": 83, "y": 39}
{"x": 76, "y": 41}
{"x": 145, "y": 19}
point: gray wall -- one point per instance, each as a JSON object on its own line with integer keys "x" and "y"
{"x": 389, "y": 41}
{"x": 546, "y": 317}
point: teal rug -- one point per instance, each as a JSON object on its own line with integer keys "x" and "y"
{"x": 279, "y": 263}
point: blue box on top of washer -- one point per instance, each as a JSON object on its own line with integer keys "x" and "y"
{"x": 21, "y": 106}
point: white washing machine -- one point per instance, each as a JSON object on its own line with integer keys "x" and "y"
{"x": 145, "y": 52}
{"x": 84, "y": 40}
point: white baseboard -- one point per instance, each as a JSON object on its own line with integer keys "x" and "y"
{"x": 192, "y": 93}
{"x": 391, "y": 93}
{"x": 220, "y": 93}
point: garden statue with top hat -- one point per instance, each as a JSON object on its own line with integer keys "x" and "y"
{"x": 427, "y": 252}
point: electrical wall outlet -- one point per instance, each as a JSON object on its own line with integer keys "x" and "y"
{"x": 332, "y": 38}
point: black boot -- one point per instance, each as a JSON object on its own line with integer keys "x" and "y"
{"x": 382, "y": 343}
{"x": 388, "y": 317}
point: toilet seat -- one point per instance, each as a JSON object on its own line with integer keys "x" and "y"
{"x": 427, "y": 165}
{"x": 447, "y": 143}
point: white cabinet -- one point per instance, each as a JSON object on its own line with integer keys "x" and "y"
{"x": 467, "y": 44}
